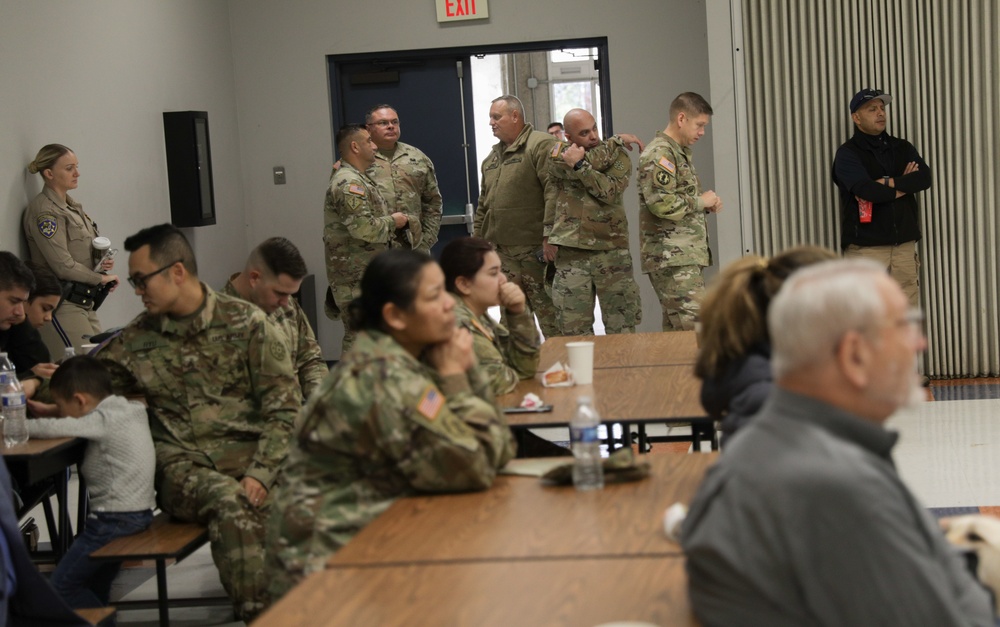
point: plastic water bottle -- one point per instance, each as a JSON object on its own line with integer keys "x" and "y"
{"x": 15, "y": 407}
{"x": 68, "y": 353}
{"x": 588, "y": 474}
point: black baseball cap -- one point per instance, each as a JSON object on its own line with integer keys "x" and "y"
{"x": 865, "y": 95}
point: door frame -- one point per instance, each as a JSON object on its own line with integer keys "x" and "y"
{"x": 337, "y": 116}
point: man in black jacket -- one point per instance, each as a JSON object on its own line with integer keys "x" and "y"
{"x": 878, "y": 176}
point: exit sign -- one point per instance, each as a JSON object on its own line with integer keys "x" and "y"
{"x": 454, "y": 10}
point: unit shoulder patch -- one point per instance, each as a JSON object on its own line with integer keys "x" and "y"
{"x": 47, "y": 225}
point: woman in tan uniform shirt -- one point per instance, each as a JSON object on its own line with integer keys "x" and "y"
{"x": 60, "y": 236}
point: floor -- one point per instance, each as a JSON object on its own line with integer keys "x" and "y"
{"x": 948, "y": 453}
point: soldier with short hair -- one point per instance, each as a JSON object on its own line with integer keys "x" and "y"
{"x": 515, "y": 197}
{"x": 590, "y": 229}
{"x": 217, "y": 377}
{"x": 405, "y": 176}
{"x": 672, "y": 230}
{"x": 358, "y": 223}
{"x": 273, "y": 273}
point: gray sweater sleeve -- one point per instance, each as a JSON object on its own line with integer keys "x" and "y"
{"x": 119, "y": 462}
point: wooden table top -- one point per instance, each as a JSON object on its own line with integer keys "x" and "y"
{"x": 525, "y": 593}
{"x": 519, "y": 518}
{"x": 636, "y": 395}
{"x": 35, "y": 447}
{"x": 627, "y": 349}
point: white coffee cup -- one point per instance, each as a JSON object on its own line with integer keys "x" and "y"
{"x": 101, "y": 243}
{"x": 581, "y": 361}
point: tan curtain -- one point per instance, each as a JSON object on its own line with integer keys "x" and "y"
{"x": 940, "y": 62}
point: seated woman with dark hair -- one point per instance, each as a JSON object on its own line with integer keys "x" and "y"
{"x": 405, "y": 411}
{"x": 734, "y": 358}
{"x": 24, "y": 344}
{"x": 472, "y": 273}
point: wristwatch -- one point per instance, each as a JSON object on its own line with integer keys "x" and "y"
{"x": 579, "y": 164}
{"x": 885, "y": 179}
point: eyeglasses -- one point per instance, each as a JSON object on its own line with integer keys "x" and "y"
{"x": 385, "y": 123}
{"x": 138, "y": 282}
{"x": 913, "y": 321}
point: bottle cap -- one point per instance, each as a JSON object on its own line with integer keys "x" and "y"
{"x": 101, "y": 243}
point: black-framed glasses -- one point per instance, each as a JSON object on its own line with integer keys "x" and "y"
{"x": 386, "y": 123}
{"x": 139, "y": 282}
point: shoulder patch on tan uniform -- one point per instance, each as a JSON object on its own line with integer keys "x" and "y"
{"x": 47, "y": 225}
{"x": 430, "y": 403}
{"x": 667, "y": 165}
{"x": 356, "y": 189}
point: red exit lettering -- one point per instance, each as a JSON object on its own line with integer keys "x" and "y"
{"x": 456, "y": 8}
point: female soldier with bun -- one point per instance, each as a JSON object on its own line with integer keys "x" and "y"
{"x": 406, "y": 411}
{"x": 60, "y": 237}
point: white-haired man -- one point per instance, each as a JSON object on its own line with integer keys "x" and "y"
{"x": 805, "y": 521}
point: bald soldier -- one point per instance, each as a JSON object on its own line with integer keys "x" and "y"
{"x": 273, "y": 273}
{"x": 673, "y": 233}
{"x": 515, "y": 198}
{"x": 405, "y": 176}
{"x": 358, "y": 223}
{"x": 217, "y": 377}
{"x": 590, "y": 230}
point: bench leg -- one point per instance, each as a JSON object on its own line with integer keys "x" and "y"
{"x": 161, "y": 592}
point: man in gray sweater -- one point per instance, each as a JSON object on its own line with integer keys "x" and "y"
{"x": 118, "y": 467}
{"x": 804, "y": 520}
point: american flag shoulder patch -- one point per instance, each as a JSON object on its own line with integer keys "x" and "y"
{"x": 431, "y": 403}
{"x": 354, "y": 188}
{"x": 667, "y": 165}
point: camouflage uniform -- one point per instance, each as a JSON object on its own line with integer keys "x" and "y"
{"x": 408, "y": 183}
{"x": 505, "y": 356}
{"x": 224, "y": 398}
{"x": 307, "y": 357}
{"x": 60, "y": 237}
{"x": 382, "y": 426}
{"x": 516, "y": 196}
{"x": 591, "y": 230}
{"x": 672, "y": 230}
{"x": 358, "y": 226}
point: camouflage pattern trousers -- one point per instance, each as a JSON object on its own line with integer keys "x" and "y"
{"x": 236, "y": 529}
{"x": 521, "y": 265}
{"x": 341, "y": 297}
{"x": 679, "y": 289}
{"x": 607, "y": 274}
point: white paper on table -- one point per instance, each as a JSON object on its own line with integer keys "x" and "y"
{"x": 533, "y": 466}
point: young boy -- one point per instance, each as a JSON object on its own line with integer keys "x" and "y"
{"x": 118, "y": 467}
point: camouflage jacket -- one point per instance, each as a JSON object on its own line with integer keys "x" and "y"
{"x": 307, "y": 357}
{"x": 505, "y": 356}
{"x": 516, "y": 193}
{"x": 357, "y": 226}
{"x": 383, "y": 425}
{"x": 672, "y": 227}
{"x": 408, "y": 184}
{"x": 589, "y": 213}
{"x": 220, "y": 384}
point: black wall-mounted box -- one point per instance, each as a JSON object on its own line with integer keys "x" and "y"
{"x": 189, "y": 168}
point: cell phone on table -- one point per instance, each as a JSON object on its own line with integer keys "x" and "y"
{"x": 541, "y": 409}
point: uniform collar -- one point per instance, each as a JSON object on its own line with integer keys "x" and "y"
{"x": 196, "y": 322}
{"x": 54, "y": 197}
{"x": 519, "y": 141}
